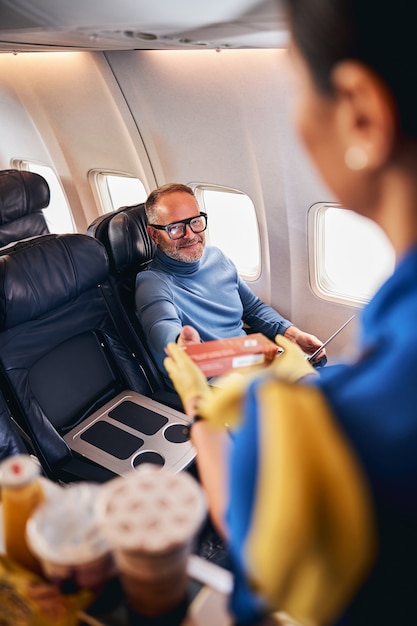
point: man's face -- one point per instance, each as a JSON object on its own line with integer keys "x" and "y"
{"x": 172, "y": 208}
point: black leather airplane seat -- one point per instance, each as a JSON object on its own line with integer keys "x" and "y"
{"x": 61, "y": 353}
{"x": 129, "y": 247}
{"x": 23, "y": 195}
{"x": 125, "y": 237}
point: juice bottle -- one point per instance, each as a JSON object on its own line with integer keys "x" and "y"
{"x": 21, "y": 492}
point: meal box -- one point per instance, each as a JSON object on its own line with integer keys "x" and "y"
{"x": 222, "y": 355}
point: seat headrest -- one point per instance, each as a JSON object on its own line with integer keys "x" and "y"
{"x": 42, "y": 273}
{"x": 125, "y": 237}
{"x": 21, "y": 193}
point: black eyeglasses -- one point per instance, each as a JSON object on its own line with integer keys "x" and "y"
{"x": 176, "y": 230}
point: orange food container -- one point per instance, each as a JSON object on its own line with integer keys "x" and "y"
{"x": 222, "y": 355}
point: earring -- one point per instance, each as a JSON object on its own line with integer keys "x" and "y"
{"x": 356, "y": 158}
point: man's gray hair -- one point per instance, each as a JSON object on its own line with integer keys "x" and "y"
{"x": 158, "y": 193}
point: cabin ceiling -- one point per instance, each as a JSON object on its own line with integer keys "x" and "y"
{"x": 39, "y": 25}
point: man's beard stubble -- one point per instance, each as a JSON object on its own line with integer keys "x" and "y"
{"x": 180, "y": 253}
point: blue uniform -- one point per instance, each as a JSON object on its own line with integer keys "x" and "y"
{"x": 374, "y": 401}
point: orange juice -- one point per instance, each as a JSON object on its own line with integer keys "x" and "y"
{"x": 21, "y": 495}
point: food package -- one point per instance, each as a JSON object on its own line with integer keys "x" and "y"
{"x": 217, "y": 357}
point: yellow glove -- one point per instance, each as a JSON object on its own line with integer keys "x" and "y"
{"x": 224, "y": 406}
{"x": 292, "y": 364}
{"x": 220, "y": 406}
{"x": 187, "y": 378}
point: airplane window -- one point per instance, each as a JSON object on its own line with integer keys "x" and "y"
{"x": 351, "y": 256}
{"x": 232, "y": 227}
{"x": 57, "y": 215}
{"x": 117, "y": 190}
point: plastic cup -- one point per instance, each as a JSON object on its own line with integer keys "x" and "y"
{"x": 151, "y": 519}
{"x": 64, "y": 535}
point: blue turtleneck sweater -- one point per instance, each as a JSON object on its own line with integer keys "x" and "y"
{"x": 207, "y": 294}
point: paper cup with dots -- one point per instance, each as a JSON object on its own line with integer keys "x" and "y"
{"x": 151, "y": 518}
{"x": 64, "y": 535}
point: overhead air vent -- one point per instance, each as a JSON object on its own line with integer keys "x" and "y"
{"x": 135, "y": 34}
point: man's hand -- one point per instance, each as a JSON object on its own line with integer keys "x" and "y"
{"x": 187, "y": 378}
{"x": 292, "y": 364}
{"x": 188, "y": 336}
{"x": 308, "y": 343}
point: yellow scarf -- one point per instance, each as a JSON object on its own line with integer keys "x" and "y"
{"x": 312, "y": 535}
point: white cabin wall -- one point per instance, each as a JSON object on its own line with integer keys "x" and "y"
{"x": 214, "y": 117}
{"x": 19, "y": 134}
{"x": 81, "y": 119}
{"x": 303, "y": 189}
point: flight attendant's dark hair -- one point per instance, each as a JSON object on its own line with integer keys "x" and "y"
{"x": 376, "y": 33}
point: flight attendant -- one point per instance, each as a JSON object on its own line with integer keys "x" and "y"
{"x": 293, "y": 522}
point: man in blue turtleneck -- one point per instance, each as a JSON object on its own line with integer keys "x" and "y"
{"x": 192, "y": 293}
